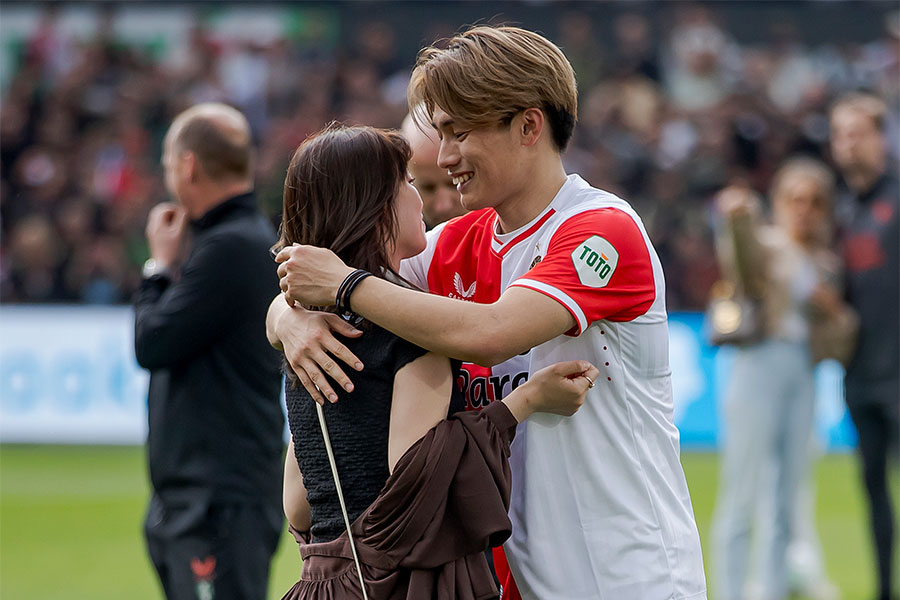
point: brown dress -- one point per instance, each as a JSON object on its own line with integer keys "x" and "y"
{"x": 425, "y": 535}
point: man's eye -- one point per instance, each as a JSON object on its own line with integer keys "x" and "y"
{"x": 461, "y": 135}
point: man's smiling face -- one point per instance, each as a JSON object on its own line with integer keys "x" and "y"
{"x": 482, "y": 160}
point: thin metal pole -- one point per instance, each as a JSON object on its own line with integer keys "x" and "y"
{"x": 340, "y": 493}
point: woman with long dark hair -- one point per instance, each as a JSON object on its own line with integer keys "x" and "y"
{"x": 425, "y": 487}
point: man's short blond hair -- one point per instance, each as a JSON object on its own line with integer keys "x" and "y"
{"x": 489, "y": 74}
{"x": 868, "y": 104}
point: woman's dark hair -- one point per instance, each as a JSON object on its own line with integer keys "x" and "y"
{"x": 339, "y": 194}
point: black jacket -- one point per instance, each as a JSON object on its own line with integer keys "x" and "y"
{"x": 216, "y": 422}
{"x": 871, "y": 243}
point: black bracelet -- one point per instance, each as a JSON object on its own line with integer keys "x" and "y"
{"x": 352, "y": 287}
{"x": 342, "y": 290}
{"x": 338, "y": 299}
{"x": 342, "y": 299}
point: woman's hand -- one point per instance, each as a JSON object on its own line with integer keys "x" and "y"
{"x": 310, "y": 275}
{"x": 559, "y": 389}
{"x": 826, "y": 300}
{"x": 736, "y": 201}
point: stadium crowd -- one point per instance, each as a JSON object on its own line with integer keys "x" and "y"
{"x": 673, "y": 108}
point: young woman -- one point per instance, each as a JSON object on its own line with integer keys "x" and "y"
{"x": 426, "y": 487}
{"x": 787, "y": 269}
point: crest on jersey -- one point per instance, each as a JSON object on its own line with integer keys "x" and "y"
{"x": 464, "y": 293}
{"x": 204, "y": 574}
{"x": 595, "y": 260}
{"x": 538, "y": 258}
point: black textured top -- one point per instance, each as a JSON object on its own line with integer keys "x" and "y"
{"x": 358, "y": 425}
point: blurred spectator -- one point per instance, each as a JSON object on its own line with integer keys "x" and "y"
{"x": 36, "y": 268}
{"x": 635, "y": 50}
{"x": 578, "y": 40}
{"x": 676, "y": 99}
{"x": 871, "y": 240}
{"x": 214, "y": 440}
{"x": 792, "y": 280}
{"x": 701, "y": 60}
{"x": 792, "y": 75}
{"x": 440, "y": 198}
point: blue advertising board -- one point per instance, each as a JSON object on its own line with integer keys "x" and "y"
{"x": 68, "y": 375}
{"x": 700, "y": 376}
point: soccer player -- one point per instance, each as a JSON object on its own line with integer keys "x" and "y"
{"x": 440, "y": 199}
{"x": 544, "y": 268}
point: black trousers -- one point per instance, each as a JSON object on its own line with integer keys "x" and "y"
{"x": 205, "y": 551}
{"x": 878, "y": 428}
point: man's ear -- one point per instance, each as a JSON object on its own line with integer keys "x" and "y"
{"x": 191, "y": 167}
{"x": 530, "y": 123}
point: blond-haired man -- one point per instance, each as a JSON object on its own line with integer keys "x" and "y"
{"x": 871, "y": 236}
{"x": 543, "y": 268}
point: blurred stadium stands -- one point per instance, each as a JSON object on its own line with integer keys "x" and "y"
{"x": 676, "y": 100}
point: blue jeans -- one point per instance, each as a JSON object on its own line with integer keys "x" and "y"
{"x": 768, "y": 420}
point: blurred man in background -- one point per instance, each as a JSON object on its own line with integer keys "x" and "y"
{"x": 871, "y": 239}
{"x": 440, "y": 199}
{"x": 215, "y": 438}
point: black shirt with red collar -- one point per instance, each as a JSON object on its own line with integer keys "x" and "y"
{"x": 871, "y": 248}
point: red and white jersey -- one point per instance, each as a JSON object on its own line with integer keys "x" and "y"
{"x": 600, "y": 507}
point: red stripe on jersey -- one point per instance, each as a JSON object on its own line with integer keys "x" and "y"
{"x": 599, "y": 258}
{"x": 525, "y": 234}
{"x": 464, "y": 266}
{"x": 507, "y": 583}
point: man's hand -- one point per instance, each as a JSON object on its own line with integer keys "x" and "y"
{"x": 308, "y": 341}
{"x": 310, "y": 275}
{"x": 165, "y": 232}
{"x": 559, "y": 389}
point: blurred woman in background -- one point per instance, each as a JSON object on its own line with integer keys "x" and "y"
{"x": 790, "y": 279}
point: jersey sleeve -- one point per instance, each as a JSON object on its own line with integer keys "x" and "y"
{"x": 598, "y": 266}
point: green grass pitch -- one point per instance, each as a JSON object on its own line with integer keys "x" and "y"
{"x": 70, "y": 524}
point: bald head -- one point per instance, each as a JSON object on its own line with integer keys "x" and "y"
{"x": 207, "y": 157}
{"x": 440, "y": 198}
{"x": 218, "y": 136}
{"x": 425, "y": 141}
